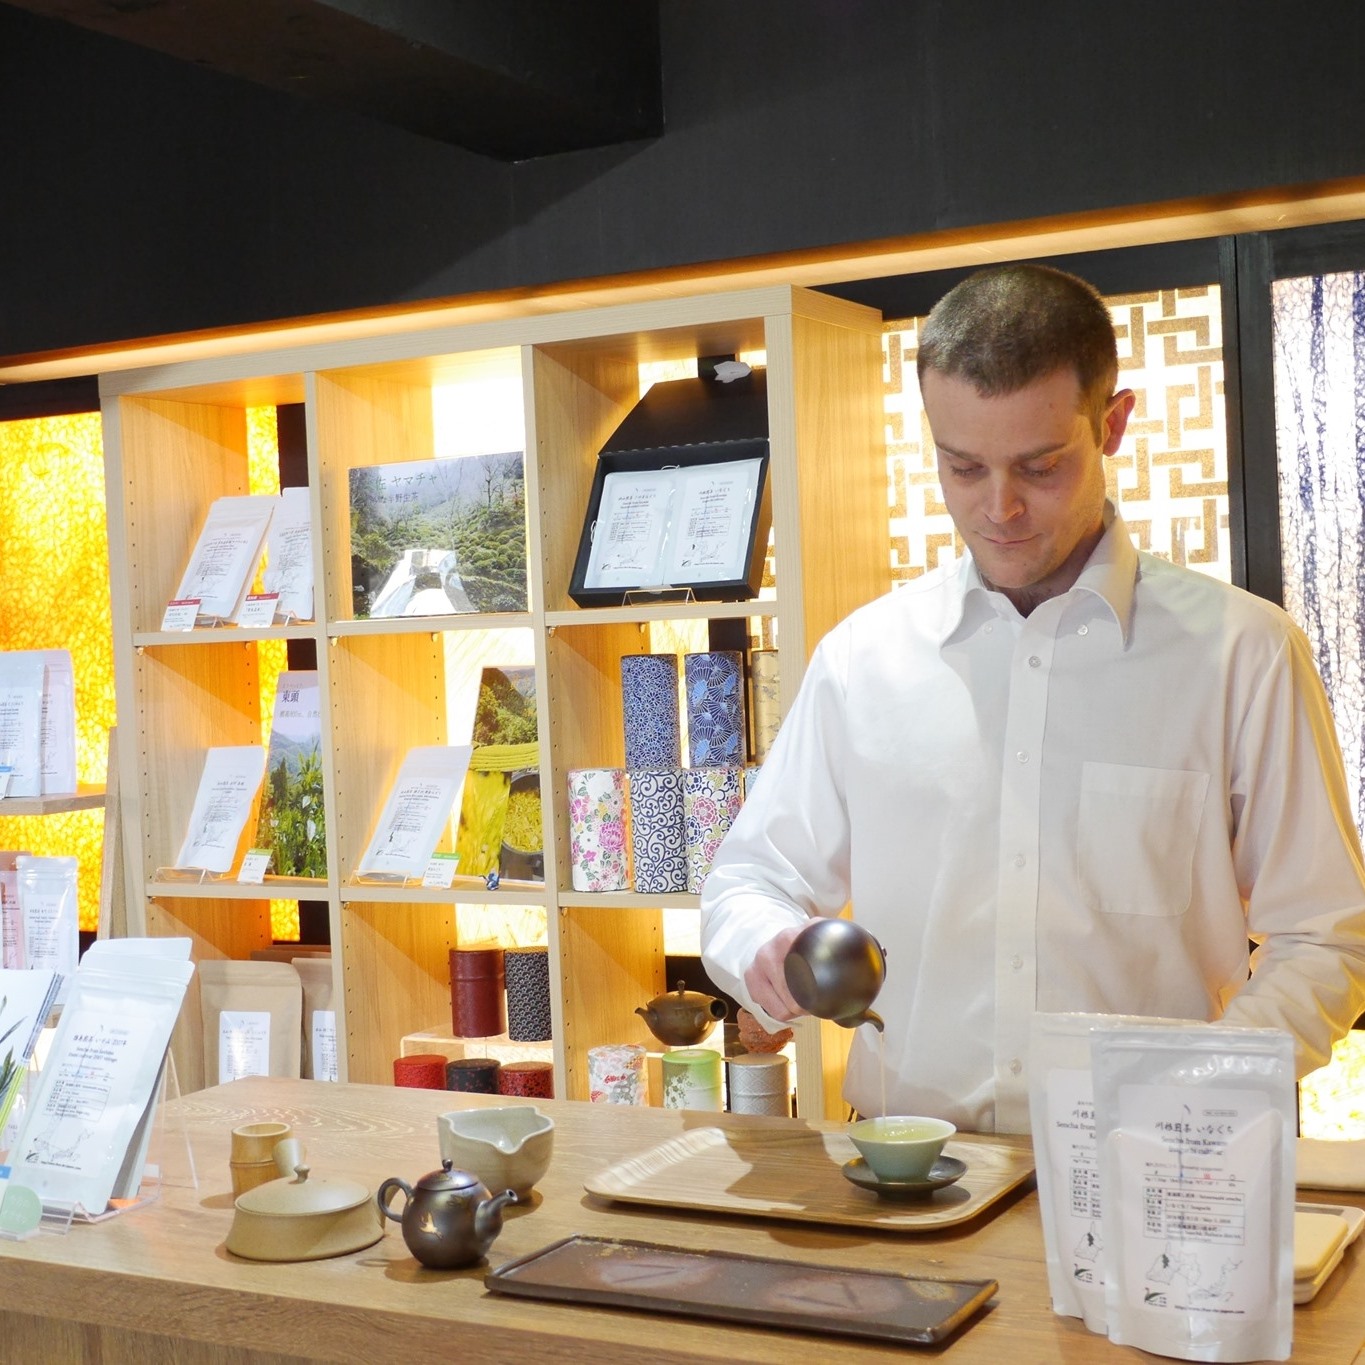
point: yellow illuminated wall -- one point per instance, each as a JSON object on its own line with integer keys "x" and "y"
{"x": 54, "y": 594}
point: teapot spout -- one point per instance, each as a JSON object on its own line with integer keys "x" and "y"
{"x": 866, "y": 1017}
{"x": 488, "y": 1216}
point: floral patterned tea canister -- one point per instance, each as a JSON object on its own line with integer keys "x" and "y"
{"x": 597, "y": 829}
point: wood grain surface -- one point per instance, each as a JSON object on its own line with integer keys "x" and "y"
{"x": 157, "y": 1284}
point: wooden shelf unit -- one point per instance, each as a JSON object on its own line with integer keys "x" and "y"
{"x": 175, "y": 439}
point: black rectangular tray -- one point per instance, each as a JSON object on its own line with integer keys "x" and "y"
{"x": 749, "y": 1290}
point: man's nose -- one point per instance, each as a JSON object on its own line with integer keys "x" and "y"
{"x": 1003, "y": 502}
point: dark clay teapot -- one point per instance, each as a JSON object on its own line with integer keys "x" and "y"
{"x": 450, "y": 1219}
{"x": 682, "y": 1017}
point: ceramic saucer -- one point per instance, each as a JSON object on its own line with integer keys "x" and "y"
{"x": 944, "y": 1171}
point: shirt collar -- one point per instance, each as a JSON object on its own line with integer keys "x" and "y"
{"x": 1109, "y": 574}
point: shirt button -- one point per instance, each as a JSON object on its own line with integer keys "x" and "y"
{"x": 1022, "y": 756}
{"x": 1017, "y": 963}
{"x": 986, "y": 630}
{"x": 1019, "y": 860}
{"x": 1016, "y": 1066}
{"x": 1034, "y": 661}
{"x": 1082, "y": 630}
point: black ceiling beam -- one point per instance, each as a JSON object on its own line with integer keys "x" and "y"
{"x": 511, "y": 79}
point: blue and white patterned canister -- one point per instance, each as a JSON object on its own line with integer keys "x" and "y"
{"x": 711, "y": 800}
{"x": 766, "y": 702}
{"x": 715, "y": 708}
{"x": 649, "y": 708}
{"x": 658, "y": 855}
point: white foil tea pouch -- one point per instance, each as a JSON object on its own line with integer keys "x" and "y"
{"x": 22, "y": 675}
{"x": 1195, "y": 1130}
{"x": 289, "y": 556}
{"x": 98, "y": 1079}
{"x": 417, "y": 809}
{"x": 50, "y": 908}
{"x": 1062, "y": 1118}
{"x": 222, "y": 806}
{"x": 223, "y": 561}
{"x": 57, "y": 744}
{"x": 11, "y": 916}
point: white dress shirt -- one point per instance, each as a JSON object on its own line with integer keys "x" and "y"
{"x": 1089, "y": 808}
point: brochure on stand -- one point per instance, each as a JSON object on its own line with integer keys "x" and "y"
{"x": 227, "y": 791}
{"x": 415, "y": 814}
{"x": 223, "y": 562}
{"x": 291, "y": 822}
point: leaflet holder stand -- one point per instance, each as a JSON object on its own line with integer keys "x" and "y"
{"x": 166, "y": 1158}
{"x": 650, "y": 597}
{"x": 196, "y": 876}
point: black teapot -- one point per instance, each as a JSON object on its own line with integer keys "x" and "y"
{"x": 681, "y": 1017}
{"x": 450, "y": 1219}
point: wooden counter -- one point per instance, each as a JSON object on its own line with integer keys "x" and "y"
{"x": 115, "y": 1292}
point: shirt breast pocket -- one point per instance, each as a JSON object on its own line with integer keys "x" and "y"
{"x": 1136, "y": 837}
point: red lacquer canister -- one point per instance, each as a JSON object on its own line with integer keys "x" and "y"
{"x": 535, "y": 1079}
{"x": 421, "y": 1071}
{"x": 478, "y": 1007}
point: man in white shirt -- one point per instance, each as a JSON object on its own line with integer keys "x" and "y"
{"x": 1060, "y": 774}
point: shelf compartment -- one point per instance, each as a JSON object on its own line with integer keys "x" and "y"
{"x": 609, "y": 963}
{"x": 396, "y": 978}
{"x": 218, "y": 927}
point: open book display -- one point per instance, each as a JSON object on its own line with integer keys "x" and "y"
{"x": 439, "y": 537}
{"x": 679, "y": 501}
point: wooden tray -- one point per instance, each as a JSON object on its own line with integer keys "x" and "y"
{"x": 794, "y": 1173}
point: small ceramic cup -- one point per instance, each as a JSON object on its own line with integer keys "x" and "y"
{"x": 252, "y": 1154}
{"x": 901, "y": 1147}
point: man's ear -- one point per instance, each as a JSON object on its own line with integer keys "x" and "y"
{"x": 1116, "y": 420}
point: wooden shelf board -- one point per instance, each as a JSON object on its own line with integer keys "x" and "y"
{"x": 463, "y": 891}
{"x": 228, "y": 635}
{"x": 430, "y": 625}
{"x": 628, "y": 900}
{"x": 663, "y": 611}
{"x": 87, "y": 796}
{"x": 273, "y": 889}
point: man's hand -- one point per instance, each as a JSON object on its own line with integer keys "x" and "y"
{"x": 765, "y": 980}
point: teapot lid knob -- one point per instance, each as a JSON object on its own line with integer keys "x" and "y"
{"x": 682, "y": 987}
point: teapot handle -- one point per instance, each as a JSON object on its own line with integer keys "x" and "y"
{"x": 386, "y": 1191}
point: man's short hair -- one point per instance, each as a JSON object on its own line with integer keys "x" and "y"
{"x": 1008, "y": 326}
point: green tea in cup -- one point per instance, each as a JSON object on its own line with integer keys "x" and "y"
{"x": 901, "y": 1147}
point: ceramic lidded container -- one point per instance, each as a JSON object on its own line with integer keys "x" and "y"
{"x": 299, "y": 1219}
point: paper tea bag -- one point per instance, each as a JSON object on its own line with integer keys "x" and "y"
{"x": 49, "y": 906}
{"x": 319, "y": 1018}
{"x": 1195, "y": 1129}
{"x": 1062, "y": 1118}
{"x": 253, "y": 1020}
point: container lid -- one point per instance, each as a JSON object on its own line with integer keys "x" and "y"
{"x": 297, "y": 1196}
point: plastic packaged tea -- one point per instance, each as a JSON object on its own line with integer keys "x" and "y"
{"x": 1195, "y": 1130}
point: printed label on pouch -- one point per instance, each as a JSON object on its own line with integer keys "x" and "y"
{"x": 243, "y": 1044}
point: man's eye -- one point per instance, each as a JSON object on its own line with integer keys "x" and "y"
{"x": 1040, "y": 471}
{"x": 969, "y": 471}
